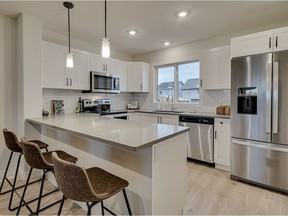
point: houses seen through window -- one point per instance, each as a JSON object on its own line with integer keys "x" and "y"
{"x": 178, "y": 82}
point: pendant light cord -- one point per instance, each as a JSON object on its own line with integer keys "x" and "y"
{"x": 105, "y": 18}
{"x": 69, "y": 29}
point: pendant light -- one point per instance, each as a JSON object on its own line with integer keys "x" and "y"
{"x": 69, "y": 60}
{"x": 105, "y": 40}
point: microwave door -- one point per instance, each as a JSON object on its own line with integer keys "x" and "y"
{"x": 280, "y": 98}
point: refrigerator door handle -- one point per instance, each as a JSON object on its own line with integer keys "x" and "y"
{"x": 275, "y": 97}
{"x": 268, "y": 98}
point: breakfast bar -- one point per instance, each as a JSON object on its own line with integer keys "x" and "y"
{"x": 151, "y": 157}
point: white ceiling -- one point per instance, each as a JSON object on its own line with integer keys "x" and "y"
{"x": 155, "y": 21}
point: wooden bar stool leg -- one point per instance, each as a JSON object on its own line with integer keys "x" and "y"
{"x": 127, "y": 202}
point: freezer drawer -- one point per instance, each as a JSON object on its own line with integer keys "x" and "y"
{"x": 260, "y": 162}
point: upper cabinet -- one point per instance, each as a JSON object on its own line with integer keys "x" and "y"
{"x": 99, "y": 64}
{"x": 261, "y": 42}
{"x": 138, "y": 77}
{"x": 215, "y": 68}
{"x": 54, "y": 71}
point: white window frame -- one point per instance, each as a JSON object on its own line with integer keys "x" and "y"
{"x": 155, "y": 82}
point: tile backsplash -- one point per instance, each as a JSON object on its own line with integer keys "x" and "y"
{"x": 210, "y": 100}
{"x": 71, "y": 97}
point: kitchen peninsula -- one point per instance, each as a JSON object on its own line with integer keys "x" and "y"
{"x": 152, "y": 157}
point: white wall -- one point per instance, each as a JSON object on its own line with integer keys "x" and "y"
{"x": 8, "y": 86}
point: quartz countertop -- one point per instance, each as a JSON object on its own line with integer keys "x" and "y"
{"x": 184, "y": 113}
{"x": 130, "y": 135}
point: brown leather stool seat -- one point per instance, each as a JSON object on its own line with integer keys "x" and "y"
{"x": 38, "y": 160}
{"x": 13, "y": 145}
{"x": 87, "y": 185}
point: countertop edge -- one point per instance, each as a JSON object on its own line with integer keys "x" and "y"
{"x": 114, "y": 144}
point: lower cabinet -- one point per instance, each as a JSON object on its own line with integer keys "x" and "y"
{"x": 222, "y": 143}
{"x": 155, "y": 118}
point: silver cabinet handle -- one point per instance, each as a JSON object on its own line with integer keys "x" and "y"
{"x": 269, "y": 42}
{"x": 67, "y": 82}
{"x": 161, "y": 119}
{"x": 215, "y": 134}
{"x": 276, "y": 43}
{"x": 201, "y": 82}
{"x": 158, "y": 119}
{"x": 141, "y": 86}
{"x": 70, "y": 81}
{"x": 106, "y": 67}
{"x": 268, "y": 97}
{"x": 275, "y": 97}
{"x": 103, "y": 67}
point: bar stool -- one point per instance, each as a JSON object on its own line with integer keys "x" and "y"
{"x": 43, "y": 161}
{"x": 87, "y": 185}
{"x": 13, "y": 145}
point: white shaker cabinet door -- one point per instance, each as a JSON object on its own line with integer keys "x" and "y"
{"x": 281, "y": 39}
{"x": 138, "y": 77}
{"x": 215, "y": 68}
{"x": 170, "y": 120}
{"x": 222, "y": 142}
{"x": 80, "y": 72}
{"x": 261, "y": 42}
{"x": 120, "y": 70}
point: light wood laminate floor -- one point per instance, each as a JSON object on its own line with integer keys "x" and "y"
{"x": 209, "y": 192}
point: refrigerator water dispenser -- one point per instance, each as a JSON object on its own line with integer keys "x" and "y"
{"x": 247, "y": 100}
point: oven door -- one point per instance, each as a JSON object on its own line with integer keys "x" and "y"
{"x": 104, "y": 82}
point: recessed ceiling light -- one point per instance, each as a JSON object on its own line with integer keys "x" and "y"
{"x": 182, "y": 13}
{"x": 166, "y": 43}
{"x": 132, "y": 32}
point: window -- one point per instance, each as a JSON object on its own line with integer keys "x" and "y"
{"x": 180, "y": 81}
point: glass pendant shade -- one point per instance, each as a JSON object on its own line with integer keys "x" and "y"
{"x": 105, "y": 47}
{"x": 69, "y": 61}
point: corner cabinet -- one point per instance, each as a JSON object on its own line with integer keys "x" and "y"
{"x": 261, "y": 42}
{"x": 54, "y": 71}
{"x": 138, "y": 77}
{"x": 222, "y": 143}
{"x": 215, "y": 68}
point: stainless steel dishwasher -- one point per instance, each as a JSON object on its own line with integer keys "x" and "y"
{"x": 200, "y": 137}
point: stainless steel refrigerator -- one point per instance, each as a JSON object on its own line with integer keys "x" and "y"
{"x": 259, "y": 119}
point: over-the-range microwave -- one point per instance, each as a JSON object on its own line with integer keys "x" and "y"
{"x": 104, "y": 82}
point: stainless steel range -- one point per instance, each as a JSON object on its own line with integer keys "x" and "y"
{"x": 96, "y": 106}
{"x": 259, "y": 119}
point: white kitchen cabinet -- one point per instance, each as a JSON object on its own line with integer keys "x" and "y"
{"x": 215, "y": 68}
{"x": 222, "y": 143}
{"x": 120, "y": 70}
{"x": 281, "y": 39}
{"x": 54, "y": 71}
{"x": 155, "y": 118}
{"x": 99, "y": 64}
{"x": 138, "y": 77}
{"x": 261, "y": 42}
